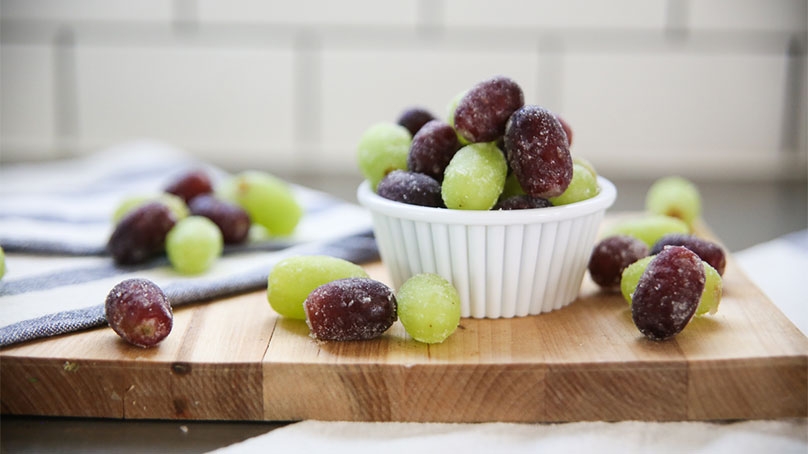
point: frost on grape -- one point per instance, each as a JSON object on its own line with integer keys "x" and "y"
{"x": 350, "y": 309}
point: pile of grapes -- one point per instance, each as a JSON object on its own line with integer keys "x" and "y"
{"x": 191, "y": 222}
{"x": 665, "y": 273}
{"x": 339, "y": 302}
{"x": 492, "y": 152}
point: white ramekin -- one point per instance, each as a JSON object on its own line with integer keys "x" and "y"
{"x": 503, "y": 263}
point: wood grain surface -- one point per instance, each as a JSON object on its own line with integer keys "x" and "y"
{"x": 235, "y": 359}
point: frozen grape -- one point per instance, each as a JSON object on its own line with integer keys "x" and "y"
{"x": 429, "y": 308}
{"x": 450, "y": 115}
{"x": 611, "y": 256}
{"x": 350, "y": 309}
{"x": 668, "y": 293}
{"x": 293, "y": 278}
{"x": 482, "y": 112}
{"x": 648, "y": 228}
{"x": 631, "y": 276}
{"x": 414, "y": 119}
{"x": 194, "y": 244}
{"x": 141, "y": 234}
{"x": 713, "y": 291}
{"x": 538, "y": 152}
{"x": 432, "y": 148}
{"x": 710, "y": 252}
{"x": 521, "y": 202}
{"x": 173, "y": 202}
{"x": 584, "y": 185}
{"x": 231, "y": 219}
{"x": 268, "y": 200}
{"x": 676, "y": 197}
{"x": 383, "y": 147}
{"x": 190, "y": 184}
{"x": 710, "y": 297}
{"x": 474, "y": 178}
{"x": 139, "y": 312}
{"x": 411, "y": 188}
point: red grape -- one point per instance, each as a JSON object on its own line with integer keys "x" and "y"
{"x": 139, "y": 312}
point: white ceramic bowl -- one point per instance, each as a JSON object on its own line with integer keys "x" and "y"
{"x": 503, "y": 263}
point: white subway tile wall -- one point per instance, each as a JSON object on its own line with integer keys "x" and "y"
{"x": 650, "y": 87}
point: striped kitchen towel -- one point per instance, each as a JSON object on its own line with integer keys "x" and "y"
{"x": 55, "y": 222}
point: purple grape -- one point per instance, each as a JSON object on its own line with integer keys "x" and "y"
{"x": 611, "y": 256}
{"x": 189, "y": 185}
{"x": 522, "y": 202}
{"x": 538, "y": 152}
{"x": 141, "y": 234}
{"x": 414, "y": 119}
{"x": 708, "y": 251}
{"x": 411, "y": 188}
{"x": 432, "y": 148}
{"x": 139, "y": 312}
{"x": 668, "y": 293}
{"x": 350, "y": 309}
{"x": 231, "y": 219}
{"x": 482, "y": 113}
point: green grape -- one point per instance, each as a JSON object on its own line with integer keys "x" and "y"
{"x": 193, "y": 245}
{"x": 676, "y": 197}
{"x": 2, "y": 263}
{"x": 584, "y": 185}
{"x": 292, "y": 279}
{"x": 383, "y": 147}
{"x": 648, "y": 228}
{"x": 450, "y": 115}
{"x": 512, "y": 187}
{"x": 585, "y": 163}
{"x": 474, "y": 178}
{"x": 631, "y": 277}
{"x": 173, "y": 202}
{"x": 428, "y": 307}
{"x": 268, "y": 200}
{"x": 710, "y": 297}
{"x": 713, "y": 290}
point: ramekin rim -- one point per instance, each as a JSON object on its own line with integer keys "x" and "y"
{"x": 377, "y": 204}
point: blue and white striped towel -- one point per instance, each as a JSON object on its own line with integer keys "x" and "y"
{"x": 55, "y": 221}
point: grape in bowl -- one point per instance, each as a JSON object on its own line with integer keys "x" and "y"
{"x": 504, "y": 263}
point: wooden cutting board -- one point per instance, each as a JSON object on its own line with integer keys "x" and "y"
{"x": 235, "y": 359}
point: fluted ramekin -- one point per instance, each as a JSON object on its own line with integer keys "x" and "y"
{"x": 503, "y": 263}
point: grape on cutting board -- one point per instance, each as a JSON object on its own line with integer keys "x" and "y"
{"x": 139, "y": 312}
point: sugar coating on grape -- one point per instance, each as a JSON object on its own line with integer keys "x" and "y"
{"x": 411, "y": 188}
{"x": 429, "y": 308}
{"x": 432, "y": 148}
{"x": 709, "y": 251}
{"x": 676, "y": 197}
{"x": 484, "y": 110}
{"x": 383, "y": 147}
{"x": 474, "y": 178}
{"x": 611, "y": 256}
{"x": 415, "y": 118}
{"x": 583, "y": 186}
{"x": 648, "y": 228}
{"x": 139, "y": 312}
{"x": 521, "y": 202}
{"x": 292, "y": 279}
{"x": 350, "y": 309}
{"x": 190, "y": 184}
{"x": 538, "y": 152}
{"x": 141, "y": 234}
{"x": 231, "y": 219}
{"x": 194, "y": 244}
{"x": 668, "y": 293}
